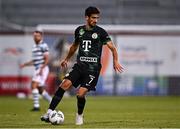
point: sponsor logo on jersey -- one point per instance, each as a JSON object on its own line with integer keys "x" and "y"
{"x": 88, "y": 59}
{"x": 86, "y": 45}
{"x": 94, "y": 35}
{"x": 81, "y": 31}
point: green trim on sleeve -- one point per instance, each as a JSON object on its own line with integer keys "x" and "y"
{"x": 105, "y": 42}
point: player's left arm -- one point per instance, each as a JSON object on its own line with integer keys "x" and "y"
{"x": 117, "y": 66}
{"x": 46, "y": 61}
{"x": 45, "y": 50}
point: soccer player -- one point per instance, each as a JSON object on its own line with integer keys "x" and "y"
{"x": 89, "y": 40}
{"x": 40, "y": 57}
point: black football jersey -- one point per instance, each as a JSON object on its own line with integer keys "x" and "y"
{"x": 90, "y": 46}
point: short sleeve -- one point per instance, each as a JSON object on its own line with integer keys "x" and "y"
{"x": 76, "y": 35}
{"x": 105, "y": 37}
{"x": 45, "y": 48}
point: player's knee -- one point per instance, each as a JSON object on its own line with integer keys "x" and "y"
{"x": 81, "y": 95}
{"x": 34, "y": 85}
{"x": 66, "y": 84}
{"x": 82, "y": 92}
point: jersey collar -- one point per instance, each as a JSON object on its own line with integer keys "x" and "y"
{"x": 89, "y": 29}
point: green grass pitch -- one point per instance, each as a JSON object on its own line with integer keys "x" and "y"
{"x": 100, "y": 112}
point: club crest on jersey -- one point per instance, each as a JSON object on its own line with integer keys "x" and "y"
{"x": 81, "y": 31}
{"x": 94, "y": 35}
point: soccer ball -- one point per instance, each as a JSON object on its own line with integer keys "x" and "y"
{"x": 56, "y": 117}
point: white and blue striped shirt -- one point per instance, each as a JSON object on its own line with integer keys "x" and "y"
{"x": 38, "y": 52}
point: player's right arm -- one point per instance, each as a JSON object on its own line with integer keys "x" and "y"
{"x": 29, "y": 63}
{"x": 71, "y": 52}
{"x": 72, "y": 48}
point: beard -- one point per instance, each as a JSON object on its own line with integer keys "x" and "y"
{"x": 37, "y": 41}
{"x": 92, "y": 25}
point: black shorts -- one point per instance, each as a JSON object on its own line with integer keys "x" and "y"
{"x": 80, "y": 76}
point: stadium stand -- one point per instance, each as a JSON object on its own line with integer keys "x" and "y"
{"x": 32, "y": 13}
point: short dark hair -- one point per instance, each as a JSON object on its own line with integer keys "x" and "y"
{"x": 91, "y": 10}
{"x": 40, "y": 32}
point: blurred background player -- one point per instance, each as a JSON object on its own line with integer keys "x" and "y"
{"x": 90, "y": 39}
{"x": 40, "y": 55}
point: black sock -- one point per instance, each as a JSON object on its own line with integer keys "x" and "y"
{"x": 80, "y": 104}
{"x": 56, "y": 98}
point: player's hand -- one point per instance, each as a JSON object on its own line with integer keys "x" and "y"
{"x": 118, "y": 67}
{"x": 64, "y": 63}
{"x": 21, "y": 66}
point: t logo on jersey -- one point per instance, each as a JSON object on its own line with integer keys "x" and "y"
{"x": 86, "y": 45}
